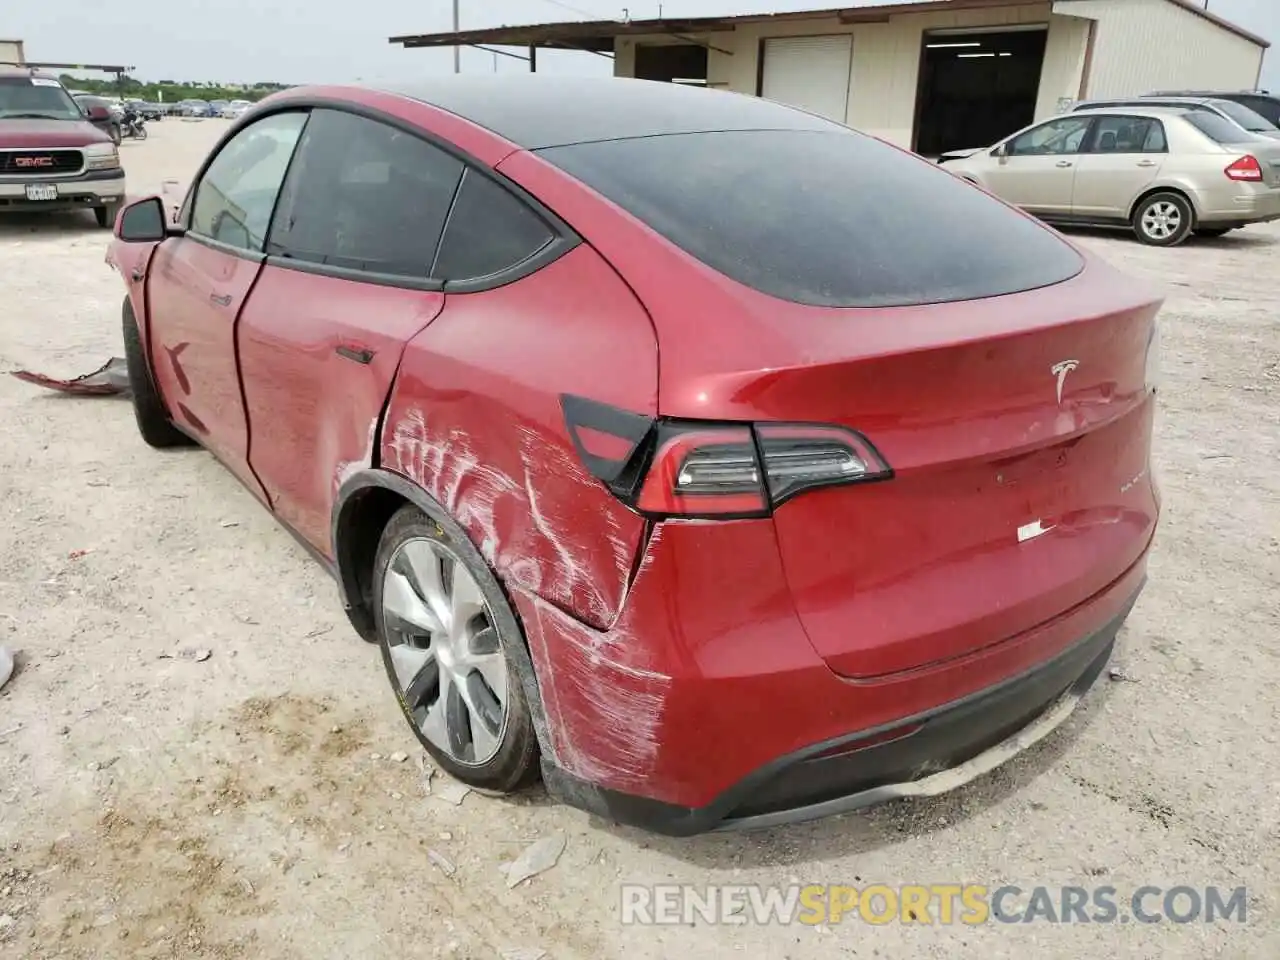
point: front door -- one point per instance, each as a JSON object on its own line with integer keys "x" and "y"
{"x": 199, "y": 283}
{"x": 1124, "y": 158}
{"x": 1038, "y": 169}
{"x": 345, "y": 287}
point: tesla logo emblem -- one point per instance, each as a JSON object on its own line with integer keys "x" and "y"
{"x": 33, "y": 161}
{"x": 1060, "y": 370}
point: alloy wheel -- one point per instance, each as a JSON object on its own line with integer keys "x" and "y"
{"x": 449, "y": 667}
{"x": 1161, "y": 220}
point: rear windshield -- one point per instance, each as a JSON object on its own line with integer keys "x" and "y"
{"x": 827, "y": 219}
{"x": 35, "y": 98}
{"x": 1215, "y": 127}
{"x": 1249, "y": 119}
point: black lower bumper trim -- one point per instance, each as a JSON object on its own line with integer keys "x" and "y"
{"x": 924, "y": 754}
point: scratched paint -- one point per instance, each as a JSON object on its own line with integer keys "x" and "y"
{"x": 604, "y": 710}
{"x": 592, "y": 697}
{"x": 533, "y": 548}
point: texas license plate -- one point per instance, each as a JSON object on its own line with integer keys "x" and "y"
{"x": 42, "y": 191}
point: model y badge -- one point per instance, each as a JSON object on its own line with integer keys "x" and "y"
{"x": 1060, "y": 370}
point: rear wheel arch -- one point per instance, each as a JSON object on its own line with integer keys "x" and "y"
{"x": 365, "y": 504}
{"x": 1175, "y": 190}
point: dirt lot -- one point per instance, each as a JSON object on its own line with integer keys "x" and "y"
{"x": 250, "y": 805}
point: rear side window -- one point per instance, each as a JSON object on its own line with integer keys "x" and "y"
{"x": 364, "y": 196}
{"x": 1118, "y": 134}
{"x": 827, "y": 219}
{"x": 1216, "y": 128}
{"x": 1266, "y": 107}
{"x": 1244, "y": 116}
{"x": 489, "y": 231}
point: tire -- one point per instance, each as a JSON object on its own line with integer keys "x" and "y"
{"x": 498, "y": 754}
{"x": 1163, "y": 220}
{"x": 1212, "y": 232}
{"x": 140, "y": 131}
{"x": 107, "y": 215}
{"x": 148, "y": 408}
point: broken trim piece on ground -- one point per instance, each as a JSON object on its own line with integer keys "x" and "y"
{"x": 109, "y": 380}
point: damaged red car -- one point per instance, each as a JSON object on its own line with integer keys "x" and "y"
{"x": 719, "y": 463}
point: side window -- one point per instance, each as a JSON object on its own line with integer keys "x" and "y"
{"x": 1062, "y": 136}
{"x": 1129, "y": 135}
{"x": 234, "y": 198}
{"x": 489, "y": 230}
{"x": 1264, "y": 106}
{"x": 365, "y": 196}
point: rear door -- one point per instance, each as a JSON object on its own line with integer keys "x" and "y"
{"x": 1039, "y": 169}
{"x": 1123, "y": 158}
{"x": 346, "y": 285}
{"x": 199, "y": 282}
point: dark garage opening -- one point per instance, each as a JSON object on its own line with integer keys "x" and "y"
{"x": 976, "y": 88}
{"x": 671, "y": 62}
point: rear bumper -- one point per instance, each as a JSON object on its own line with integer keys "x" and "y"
{"x": 90, "y": 189}
{"x": 1250, "y": 203}
{"x": 926, "y": 754}
{"x": 691, "y": 715}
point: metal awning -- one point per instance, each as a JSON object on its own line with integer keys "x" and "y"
{"x": 598, "y": 36}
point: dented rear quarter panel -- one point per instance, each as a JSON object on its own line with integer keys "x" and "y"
{"x": 475, "y": 421}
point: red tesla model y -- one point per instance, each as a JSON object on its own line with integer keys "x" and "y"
{"x": 722, "y": 464}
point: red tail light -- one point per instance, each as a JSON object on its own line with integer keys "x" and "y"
{"x": 723, "y": 470}
{"x": 1246, "y": 168}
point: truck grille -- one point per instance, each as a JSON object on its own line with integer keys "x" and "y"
{"x": 40, "y": 163}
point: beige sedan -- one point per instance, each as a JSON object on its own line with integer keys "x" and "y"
{"x": 1163, "y": 172}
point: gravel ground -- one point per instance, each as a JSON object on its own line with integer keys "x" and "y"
{"x": 255, "y": 804}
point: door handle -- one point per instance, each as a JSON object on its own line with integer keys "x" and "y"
{"x": 1064, "y": 163}
{"x": 1147, "y": 163}
{"x": 358, "y": 354}
{"x": 221, "y": 301}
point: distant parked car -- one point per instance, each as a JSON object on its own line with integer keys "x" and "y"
{"x": 1261, "y": 102}
{"x": 148, "y": 111}
{"x": 194, "y": 108}
{"x": 236, "y": 109}
{"x": 216, "y": 107}
{"x": 1245, "y": 118}
{"x": 1163, "y": 172}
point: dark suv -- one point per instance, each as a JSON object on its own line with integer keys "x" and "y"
{"x": 52, "y": 157}
{"x": 1259, "y": 101}
{"x": 1237, "y": 113}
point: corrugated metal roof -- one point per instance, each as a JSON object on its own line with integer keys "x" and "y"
{"x": 599, "y": 35}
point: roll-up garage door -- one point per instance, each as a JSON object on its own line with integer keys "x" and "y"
{"x": 811, "y": 73}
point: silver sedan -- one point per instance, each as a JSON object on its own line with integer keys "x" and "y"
{"x": 1163, "y": 172}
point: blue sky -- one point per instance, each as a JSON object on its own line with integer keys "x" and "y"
{"x": 335, "y": 40}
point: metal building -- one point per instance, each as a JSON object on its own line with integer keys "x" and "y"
{"x": 931, "y": 75}
{"x": 11, "y": 51}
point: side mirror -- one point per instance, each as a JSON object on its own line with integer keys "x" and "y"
{"x": 142, "y": 222}
{"x": 99, "y": 114}
{"x": 1001, "y": 151}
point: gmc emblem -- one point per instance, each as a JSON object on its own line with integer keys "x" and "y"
{"x": 33, "y": 161}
